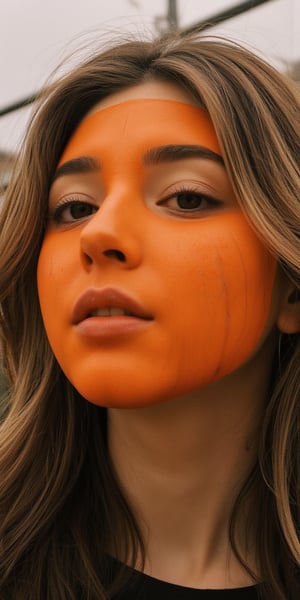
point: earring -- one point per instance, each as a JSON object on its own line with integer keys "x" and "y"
{"x": 279, "y": 355}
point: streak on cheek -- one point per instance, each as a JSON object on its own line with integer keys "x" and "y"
{"x": 223, "y": 283}
{"x": 244, "y": 284}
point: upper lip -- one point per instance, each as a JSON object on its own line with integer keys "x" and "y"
{"x": 95, "y": 298}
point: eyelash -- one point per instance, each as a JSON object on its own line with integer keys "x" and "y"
{"x": 57, "y": 214}
{"x": 189, "y": 190}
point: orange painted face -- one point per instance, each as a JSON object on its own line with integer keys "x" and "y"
{"x": 151, "y": 282}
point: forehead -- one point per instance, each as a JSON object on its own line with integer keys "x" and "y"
{"x": 139, "y": 124}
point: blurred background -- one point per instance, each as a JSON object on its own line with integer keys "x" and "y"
{"x": 36, "y": 35}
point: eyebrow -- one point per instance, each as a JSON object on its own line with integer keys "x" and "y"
{"x": 82, "y": 164}
{"x": 175, "y": 152}
{"x": 153, "y": 156}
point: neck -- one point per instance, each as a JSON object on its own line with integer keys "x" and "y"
{"x": 181, "y": 465}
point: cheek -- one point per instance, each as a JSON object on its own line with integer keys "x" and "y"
{"x": 221, "y": 305}
{"x": 58, "y": 265}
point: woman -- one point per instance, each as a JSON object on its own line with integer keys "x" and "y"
{"x": 150, "y": 318}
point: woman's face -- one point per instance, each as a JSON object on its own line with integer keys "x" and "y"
{"x": 151, "y": 282}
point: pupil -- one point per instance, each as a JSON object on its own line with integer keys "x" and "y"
{"x": 188, "y": 200}
{"x": 79, "y": 210}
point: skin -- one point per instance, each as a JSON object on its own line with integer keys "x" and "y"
{"x": 214, "y": 323}
{"x": 214, "y": 277}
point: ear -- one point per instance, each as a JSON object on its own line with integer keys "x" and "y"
{"x": 288, "y": 319}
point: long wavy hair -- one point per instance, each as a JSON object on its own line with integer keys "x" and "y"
{"x": 61, "y": 507}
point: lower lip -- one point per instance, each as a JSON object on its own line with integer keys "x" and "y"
{"x": 108, "y": 327}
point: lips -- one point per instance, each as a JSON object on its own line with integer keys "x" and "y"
{"x": 107, "y": 302}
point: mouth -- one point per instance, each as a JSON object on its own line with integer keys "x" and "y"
{"x": 110, "y": 311}
{"x": 107, "y": 302}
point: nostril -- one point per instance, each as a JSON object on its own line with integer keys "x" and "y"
{"x": 115, "y": 254}
{"x": 87, "y": 258}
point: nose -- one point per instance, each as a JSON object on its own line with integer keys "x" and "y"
{"x": 112, "y": 235}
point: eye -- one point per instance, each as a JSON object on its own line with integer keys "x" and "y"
{"x": 72, "y": 210}
{"x": 189, "y": 201}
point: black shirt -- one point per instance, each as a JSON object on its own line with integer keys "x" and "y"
{"x": 144, "y": 587}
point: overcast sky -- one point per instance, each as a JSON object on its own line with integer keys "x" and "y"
{"x": 36, "y": 34}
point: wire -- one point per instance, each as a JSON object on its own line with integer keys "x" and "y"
{"x": 222, "y": 16}
{"x": 207, "y": 23}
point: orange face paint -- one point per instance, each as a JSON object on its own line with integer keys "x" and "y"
{"x": 151, "y": 282}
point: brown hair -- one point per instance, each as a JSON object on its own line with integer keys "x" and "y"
{"x": 54, "y": 461}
